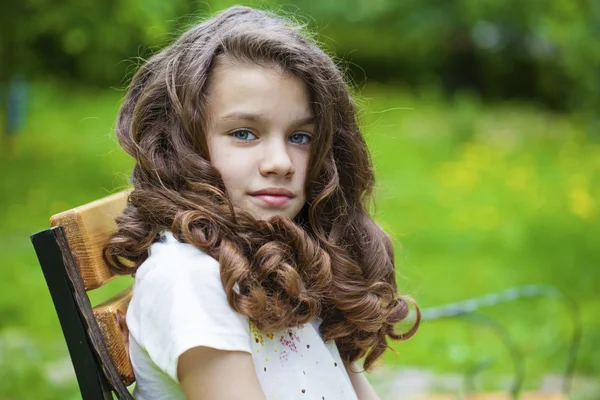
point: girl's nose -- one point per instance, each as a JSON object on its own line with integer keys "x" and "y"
{"x": 276, "y": 159}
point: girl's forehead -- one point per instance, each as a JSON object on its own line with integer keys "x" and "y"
{"x": 242, "y": 91}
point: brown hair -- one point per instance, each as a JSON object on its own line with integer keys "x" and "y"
{"x": 332, "y": 261}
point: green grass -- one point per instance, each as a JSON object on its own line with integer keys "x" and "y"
{"x": 478, "y": 198}
{"x": 482, "y": 199}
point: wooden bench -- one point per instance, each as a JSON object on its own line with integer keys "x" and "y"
{"x": 70, "y": 254}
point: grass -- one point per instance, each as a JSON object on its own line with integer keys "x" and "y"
{"x": 478, "y": 198}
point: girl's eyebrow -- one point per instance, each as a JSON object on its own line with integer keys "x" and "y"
{"x": 236, "y": 115}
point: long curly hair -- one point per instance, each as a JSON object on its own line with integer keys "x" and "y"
{"x": 332, "y": 261}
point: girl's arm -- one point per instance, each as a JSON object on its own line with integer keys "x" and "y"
{"x": 207, "y": 373}
{"x": 361, "y": 385}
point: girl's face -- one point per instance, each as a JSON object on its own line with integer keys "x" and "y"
{"x": 259, "y": 137}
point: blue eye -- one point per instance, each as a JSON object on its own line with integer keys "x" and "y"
{"x": 300, "y": 138}
{"x": 243, "y": 134}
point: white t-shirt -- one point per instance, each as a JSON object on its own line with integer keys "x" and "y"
{"x": 179, "y": 303}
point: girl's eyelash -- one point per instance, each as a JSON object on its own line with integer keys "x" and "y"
{"x": 234, "y": 133}
{"x": 303, "y": 134}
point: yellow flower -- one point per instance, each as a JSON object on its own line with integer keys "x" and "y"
{"x": 581, "y": 203}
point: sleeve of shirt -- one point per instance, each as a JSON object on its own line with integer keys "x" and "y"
{"x": 179, "y": 303}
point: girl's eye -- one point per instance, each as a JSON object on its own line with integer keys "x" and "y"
{"x": 300, "y": 138}
{"x": 243, "y": 134}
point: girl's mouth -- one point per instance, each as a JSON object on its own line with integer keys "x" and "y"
{"x": 272, "y": 200}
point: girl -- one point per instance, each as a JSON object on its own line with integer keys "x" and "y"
{"x": 258, "y": 270}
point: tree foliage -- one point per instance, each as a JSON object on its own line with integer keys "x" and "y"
{"x": 547, "y": 50}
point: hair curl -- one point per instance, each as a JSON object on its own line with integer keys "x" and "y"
{"x": 332, "y": 261}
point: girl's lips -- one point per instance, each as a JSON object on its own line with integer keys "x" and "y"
{"x": 272, "y": 200}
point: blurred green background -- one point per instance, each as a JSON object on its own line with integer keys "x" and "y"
{"x": 482, "y": 118}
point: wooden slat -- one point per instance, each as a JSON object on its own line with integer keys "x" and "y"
{"x": 88, "y": 228}
{"x": 111, "y": 319}
{"x": 496, "y": 396}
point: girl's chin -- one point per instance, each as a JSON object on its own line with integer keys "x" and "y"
{"x": 266, "y": 214}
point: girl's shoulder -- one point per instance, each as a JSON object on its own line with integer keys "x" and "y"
{"x": 168, "y": 256}
{"x": 178, "y": 303}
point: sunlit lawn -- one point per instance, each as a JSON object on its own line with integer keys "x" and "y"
{"x": 477, "y": 198}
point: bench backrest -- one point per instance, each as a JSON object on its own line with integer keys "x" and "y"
{"x": 78, "y": 237}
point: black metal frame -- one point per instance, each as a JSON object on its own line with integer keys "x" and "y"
{"x": 92, "y": 381}
{"x": 468, "y": 309}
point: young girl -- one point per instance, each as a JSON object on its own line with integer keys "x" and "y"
{"x": 258, "y": 270}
